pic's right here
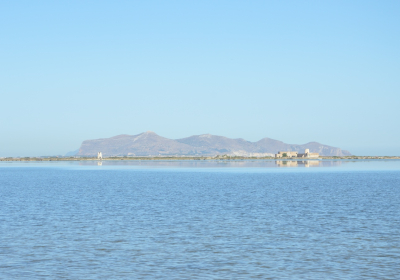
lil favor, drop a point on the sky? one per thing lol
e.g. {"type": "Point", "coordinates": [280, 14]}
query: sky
{"type": "Point", "coordinates": [295, 71]}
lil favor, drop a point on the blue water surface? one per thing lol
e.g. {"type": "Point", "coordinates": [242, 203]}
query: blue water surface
{"type": "Point", "coordinates": [203, 220]}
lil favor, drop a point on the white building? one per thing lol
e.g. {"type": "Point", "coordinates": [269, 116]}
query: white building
{"type": "Point", "coordinates": [306, 154]}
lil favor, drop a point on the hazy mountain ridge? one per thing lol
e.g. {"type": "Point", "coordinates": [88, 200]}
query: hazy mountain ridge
{"type": "Point", "coordinates": [151, 144]}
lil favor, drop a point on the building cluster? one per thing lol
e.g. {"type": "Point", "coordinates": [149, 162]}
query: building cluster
{"type": "Point", "coordinates": [289, 154]}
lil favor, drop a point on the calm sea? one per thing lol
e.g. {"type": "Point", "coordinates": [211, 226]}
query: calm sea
{"type": "Point", "coordinates": [200, 220]}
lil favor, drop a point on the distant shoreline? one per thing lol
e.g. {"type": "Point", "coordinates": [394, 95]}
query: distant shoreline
{"type": "Point", "coordinates": [217, 158]}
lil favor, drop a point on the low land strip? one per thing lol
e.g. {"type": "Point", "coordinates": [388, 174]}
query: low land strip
{"type": "Point", "coordinates": [188, 158]}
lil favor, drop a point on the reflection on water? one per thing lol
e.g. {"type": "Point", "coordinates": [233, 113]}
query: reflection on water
{"type": "Point", "coordinates": [302, 163]}
{"type": "Point", "coordinates": [286, 163]}
{"type": "Point", "coordinates": [215, 163]}
{"type": "Point", "coordinates": [260, 165]}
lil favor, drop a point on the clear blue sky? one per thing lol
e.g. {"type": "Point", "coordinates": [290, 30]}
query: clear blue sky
{"type": "Point", "coordinates": [296, 71]}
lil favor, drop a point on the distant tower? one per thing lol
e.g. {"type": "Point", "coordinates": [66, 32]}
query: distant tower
{"type": "Point", "coordinates": [99, 155]}
{"type": "Point", "coordinates": [307, 151]}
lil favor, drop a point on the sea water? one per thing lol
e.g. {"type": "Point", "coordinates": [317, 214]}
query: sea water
{"type": "Point", "coordinates": [200, 220]}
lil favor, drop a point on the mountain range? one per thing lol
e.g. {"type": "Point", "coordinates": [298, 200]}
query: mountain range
{"type": "Point", "coordinates": [151, 144]}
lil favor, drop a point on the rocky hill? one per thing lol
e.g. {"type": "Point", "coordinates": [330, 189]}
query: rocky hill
{"type": "Point", "coordinates": [151, 144]}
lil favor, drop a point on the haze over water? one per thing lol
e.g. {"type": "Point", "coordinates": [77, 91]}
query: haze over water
{"type": "Point", "coordinates": [200, 219]}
